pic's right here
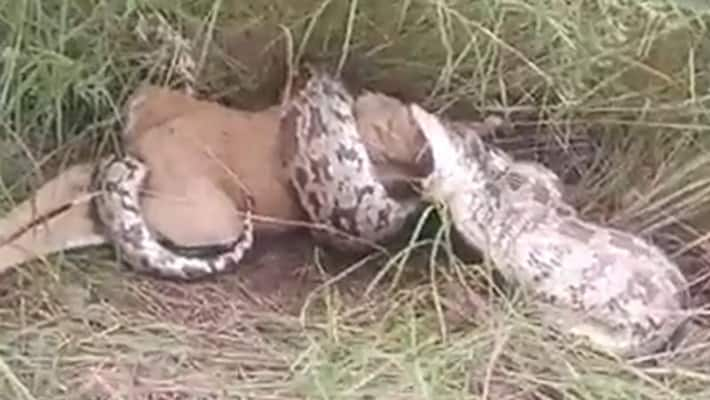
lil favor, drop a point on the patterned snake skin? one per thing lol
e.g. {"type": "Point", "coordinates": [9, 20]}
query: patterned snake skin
{"type": "Point", "coordinates": [118, 180]}
{"type": "Point", "coordinates": [332, 172]}
{"type": "Point", "coordinates": [614, 288]}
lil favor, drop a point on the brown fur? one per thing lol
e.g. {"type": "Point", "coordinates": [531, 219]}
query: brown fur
{"type": "Point", "coordinates": [201, 160]}
{"type": "Point", "coordinates": [202, 156]}
{"type": "Point", "coordinates": [20, 240]}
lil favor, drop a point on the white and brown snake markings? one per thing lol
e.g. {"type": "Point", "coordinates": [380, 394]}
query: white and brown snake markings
{"type": "Point", "coordinates": [332, 172]}
{"type": "Point", "coordinates": [610, 286]}
{"type": "Point", "coordinates": [614, 288]}
{"type": "Point", "coordinates": [119, 180]}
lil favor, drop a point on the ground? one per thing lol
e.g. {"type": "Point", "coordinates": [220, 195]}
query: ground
{"type": "Point", "coordinates": [298, 322]}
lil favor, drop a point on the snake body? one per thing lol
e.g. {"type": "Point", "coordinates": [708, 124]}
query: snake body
{"type": "Point", "coordinates": [612, 287]}
{"type": "Point", "coordinates": [118, 180]}
{"type": "Point", "coordinates": [332, 172]}
{"type": "Point", "coordinates": [617, 290]}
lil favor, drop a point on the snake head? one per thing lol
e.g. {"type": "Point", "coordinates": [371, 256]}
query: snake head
{"type": "Point", "coordinates": [447, 152]}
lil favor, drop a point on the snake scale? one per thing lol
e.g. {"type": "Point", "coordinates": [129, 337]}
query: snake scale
{"type": "Point", "coordinates": [118, 180]}
{"type": "Point", "coordinates": [609, 286]}
{"type": "Point", "coordinates": [333, 173]}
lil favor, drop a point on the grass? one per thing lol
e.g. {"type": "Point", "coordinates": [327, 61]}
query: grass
{"type": "Point", "coordinates": [634, 72]}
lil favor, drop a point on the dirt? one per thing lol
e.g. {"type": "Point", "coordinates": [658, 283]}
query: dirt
{"type": "Point", "coordinates": [280, 273]}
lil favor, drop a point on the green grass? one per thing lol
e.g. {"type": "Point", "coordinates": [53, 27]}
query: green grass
{"type": "Point", "coordinates": [635, 72]}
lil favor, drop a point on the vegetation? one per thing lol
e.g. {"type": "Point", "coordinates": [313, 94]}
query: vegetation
{"type": "Point", "coordinates": [75, 326]}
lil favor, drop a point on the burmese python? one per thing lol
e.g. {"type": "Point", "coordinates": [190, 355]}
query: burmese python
{"type": "Point", "coordinates": [118, 180]}
{"type": "Point", "coordinates": [332, 172]}
{"type": "Point", "coordinates": [612, 287]}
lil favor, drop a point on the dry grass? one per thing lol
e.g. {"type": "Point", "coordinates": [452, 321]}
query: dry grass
{"type": "Point", "coordinates": [76, 327]}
